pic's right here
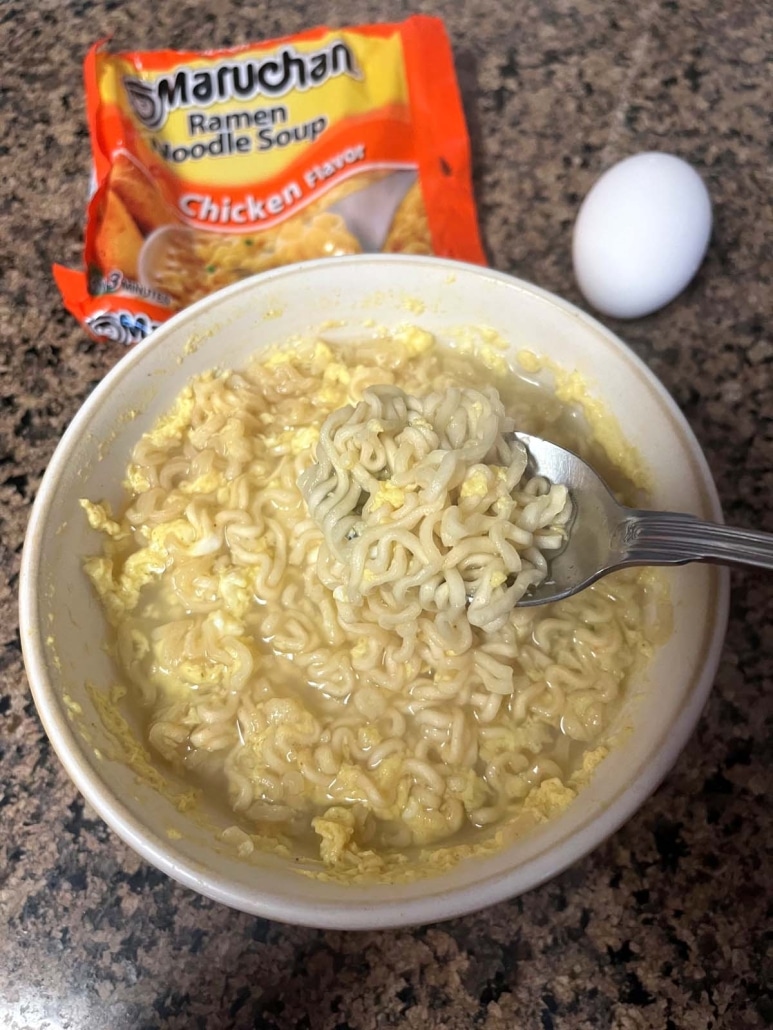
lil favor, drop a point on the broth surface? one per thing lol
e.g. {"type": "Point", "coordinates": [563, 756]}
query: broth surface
{"type": "Point", "coordinates": [359, 744]}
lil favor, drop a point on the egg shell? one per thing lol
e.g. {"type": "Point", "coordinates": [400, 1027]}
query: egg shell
{"type": "Point", "coordinates": [641, 234]}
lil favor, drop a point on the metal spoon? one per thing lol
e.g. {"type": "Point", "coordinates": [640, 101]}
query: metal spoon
{"type": "Point", "coordinates": [604, 535]}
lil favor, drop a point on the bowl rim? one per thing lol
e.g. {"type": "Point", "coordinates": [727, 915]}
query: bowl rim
{"type": "Point", "coordinates": [434, 905]}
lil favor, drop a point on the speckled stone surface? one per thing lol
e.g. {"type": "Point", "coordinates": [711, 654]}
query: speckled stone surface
{"type": "Point", "coordinates": [667, 924]}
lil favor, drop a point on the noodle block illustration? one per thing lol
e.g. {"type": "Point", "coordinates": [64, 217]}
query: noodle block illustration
{"type": "Point", "coordinates": [140, 195]}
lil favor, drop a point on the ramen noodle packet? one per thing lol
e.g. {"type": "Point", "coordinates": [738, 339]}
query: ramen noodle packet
{"type": "Point", "coordinates": [211, 166]}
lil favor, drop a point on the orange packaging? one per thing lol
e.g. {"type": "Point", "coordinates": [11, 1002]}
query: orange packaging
{"type": "Point", "coordinates": [213, 166]}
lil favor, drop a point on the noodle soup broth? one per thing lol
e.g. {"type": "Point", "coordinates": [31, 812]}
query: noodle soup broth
{"type": "Point", "coordinates": [369, 737]}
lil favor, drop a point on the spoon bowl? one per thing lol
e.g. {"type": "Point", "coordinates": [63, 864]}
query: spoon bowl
{"type": "Point", "coordinates": [604, 535]}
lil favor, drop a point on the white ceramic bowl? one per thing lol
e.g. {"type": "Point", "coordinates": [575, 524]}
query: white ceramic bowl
{"type": "Point", "coordinates": [63, 627]}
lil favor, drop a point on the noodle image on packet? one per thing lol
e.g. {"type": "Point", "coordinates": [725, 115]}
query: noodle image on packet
{"type": "Point", "coordinates": [216, 165]}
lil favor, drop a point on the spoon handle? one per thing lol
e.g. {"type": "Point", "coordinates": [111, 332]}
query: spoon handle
{"type": "Point", "coordinates": [669, 538]}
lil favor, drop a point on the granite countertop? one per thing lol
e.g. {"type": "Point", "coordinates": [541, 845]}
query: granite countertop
{"type": "Point", "coordinates": [666, 924]}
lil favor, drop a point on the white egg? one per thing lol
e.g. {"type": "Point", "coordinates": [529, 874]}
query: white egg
{"type": "Point", "coordinates": [641, 234]}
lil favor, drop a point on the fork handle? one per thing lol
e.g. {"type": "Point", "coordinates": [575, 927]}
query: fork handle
{"type": "Point", "coordinates": [670, 538]}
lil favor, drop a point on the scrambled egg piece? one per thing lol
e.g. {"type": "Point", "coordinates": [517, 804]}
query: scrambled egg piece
{"type": "Point", "coordinates": [175, 423]}
{"type": "Point", "coordinates": [335, 383]}
{"type": "Point", "coordinates": [295, 441]}
{"type": "Point", "coordinates": [549, 799]}
{"type": "Point", "coordinates": [415, 340]}
{"type": "Point", "coordinates": [318, 355]}
{"type": "Point", "coordinates": [101, 518]}
{"type": "Point", "coordinates": [472, 790]}
{"type": "Point", "coordinates": [237, 591]}
{"type": "Point", "coordinates": [206, 483]}
{"type": "Point", "coordinates": [428, 826]}
{"type": "Point", "coordinates": [368, 736]}
{"type": "Point", "coordinates": [121, 594]}
{"type": "Point", "coordinates": [360, 649]}
{"type": "Point", "coordinates": [336, 829]}
{"type": "Point", "coordinates": [332, 395]}
{"type": "Point", "coordinates": [528, 360]}
{"type": "Point", "coordinates": [590, 761]}
{"type": "Point", "coordinates": [475, 485]}
{"type": "Point", "coordinates": [136, 479]}
{"type": "Point", "coordinates": [119, 590]}
{"type": "Point", "coordinates": [493, 360]}
{"type": "Point", "coordinates": [336, 372]}
{"type": "Point", "coordinates": [387, 493]}
{"type": "Point", "coordinates": [484, 344]}
{"type": "Point", "coordinates": [414, 305]}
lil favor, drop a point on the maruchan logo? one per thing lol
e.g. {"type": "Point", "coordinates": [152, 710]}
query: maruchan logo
{"type": "Point", "coordinates": [273, 76]}
{"type": "Point", "coordinates": [122, 327]}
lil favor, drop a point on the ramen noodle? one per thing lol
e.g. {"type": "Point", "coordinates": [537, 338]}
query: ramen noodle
{"type": "Point", "coordinates": [312, 588]}
{"type": "Point", "coordinates": [210, 167]}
